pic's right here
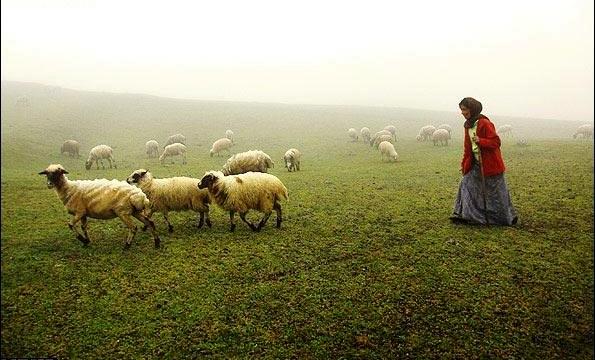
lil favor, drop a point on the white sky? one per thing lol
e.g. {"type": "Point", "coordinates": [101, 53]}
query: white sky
{"type": "Point", "coordinates": [519, 58]}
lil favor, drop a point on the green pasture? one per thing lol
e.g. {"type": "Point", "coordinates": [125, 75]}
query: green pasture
{"type": "Point", "coordinates": [366, 264]}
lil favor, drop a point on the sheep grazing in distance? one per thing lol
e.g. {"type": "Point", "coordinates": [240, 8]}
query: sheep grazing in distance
{"type": "Point", "coordinates": [292, 159]}
{"type": "Point", "coordinates": [505, 130]}
{"type": "Point", "coordinates": [378, 134]}
{"type": "Point", "coordinates": [173, 194]}
{"type": "Point", "coordinates": [100, 199]}
{"type": "Point", "coordinates": [72, 147]}
{"type": "Point", "coordinates": [98, 154]}
{"type": "Point", "coordinates": [382, 138]}
{"type": "Point", "coordinates": [440, 136]}
{"type": "Point", "coordinates": [522, 142]}
{"type": "Point", "coordinates": [425, 133]}
{"type": "Point", "coordinates": [393, 131]}
{"type": "Point", "coordinates": [244, 192]}
{"type": "Point", "coordinates": [177, 138]}
{"type": "Point", "coordinates": [352, 134]}
{"type": "Point", "coordinates": [584, 131]}
{"type": "Point", "coordinates": [445, 127]}
{"type": "Point", "coordinates": [365, 131]}
{"type": "Point", "coordinates": [220, 145]}
{"type": "Point", "coordinates": [152, 148]}
{"type": "Point", "coordinates": [229, 135]}
{"type": "Point", "coordinates": [253, 160]}
{"type": "Point", "coordinates": [387, 149]}
{"type": "Point", "coordinates": [174, 150]}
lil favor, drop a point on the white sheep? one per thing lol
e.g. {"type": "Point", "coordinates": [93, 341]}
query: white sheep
{"type": "Point", "coordinates": [98, 154]}
{"type": "Point", "coordinates": [387, 149]}
{"type": "Point", "coordinates": [253, 160]}
{"type": "Point", "coordinates": [174, 150]}
{"type": "Point", "coordinates": [445, 127]}
{"type": "Point", "coordinates": [100, 199]}
{"type": "Point", "coordinates": [586, 131]}
{"type": "Point", "coordinates": [244, 192]}
{"type": "Point", "coordinates": [425, 133]}
{"type": "Point", "coordinates": [72, 147]}
{"type": "Point", "coordinates": [292, 159]}
{"type": "Point", "coordinates": [382, 138]}
{"type": "Point", "coordinates": [229, 134]}
{"type": "Point", "coordinates": [440, 136]}
{"type": "Point", "coordinates": [392, 129]}
{"type": "Point", "coordinates": [352, 134]}
{"type": "Point", "coordinates": [173, 194]}
{"type": "Point", "coordinates": [378, 134]}
{"type": "Point", "coordinates": [365, 131]}
{"type": "Point", "coordinates": [505, 130]}
{"type": "Point", "coordinates": [176, 138]}
{"type": "Point", "coordinates": [152, 148]}
{"type": "Point", "coordinates": [220, 145]}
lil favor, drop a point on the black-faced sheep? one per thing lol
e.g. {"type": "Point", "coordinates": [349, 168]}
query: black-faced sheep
{"type": "Point", "coordinates": [174, 150]}
{"type": "Point", "coordinates": [220, 145]}
{"type": "Point", "coordinates": [152, 148]}
{"type": "Point", "coordinates": [98, 154]}
{"type": "Point", "coordinates": [100, 199]}
{"type": "Point", "coordinates": [292, 159]}
{"type": "Point", "coordinates": [440, 136]}
{"type": "Point", "coordinates": [72, 147]}
{"type": "Point", "coordinates": [244, 192]}
{"type": "Point", "coordinates": [173, 194]}
{"type": "Point", "coordinates": [253, 160]}
{"type": "Point", "coordinates": [176, 138]}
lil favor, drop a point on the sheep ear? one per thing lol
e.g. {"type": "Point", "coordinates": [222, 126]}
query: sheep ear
{"type": "Point", "coordinates": [64, 172]}
{"type": "Point", "coordinates": [45, 172]}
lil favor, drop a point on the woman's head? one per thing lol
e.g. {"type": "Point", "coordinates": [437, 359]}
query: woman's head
{"type": "Point", "coordinates": [470, 108]}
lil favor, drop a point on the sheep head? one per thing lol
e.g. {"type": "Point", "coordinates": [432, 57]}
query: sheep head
{"type": "Point", "coordinates": [209, 179]}
{"type": "Point", "coordinates": [54, 174]}
{"type": "Point", "coordinates": [137, 176]}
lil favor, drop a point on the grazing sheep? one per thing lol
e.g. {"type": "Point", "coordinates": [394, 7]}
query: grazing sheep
{"type": "Point", "coordinates": [352, 134]}
{"type": "Point", "coordinates": [177, 138]}
{"type": "Point", "coordinates": [229, 135]}
{"type": "Point", "coordinates": [387, 149]}
{"type": "Point", "coordinates": [174, 150]}
{"type": "Point", "coordinates": [522, 142]}
{"type": "Point", "coordinates": [365, 134]}
{"type": "Point", "coordinates": [425, 133]}
{"type": "Point", "coordinates": [244, 192]}
{"type": "Point", "coordinates": [380, 139]}
{"type": "Point", "coordinates": [173, 194]}
{"type": "Point", "coordinates": [97, 154]}
{"type": "Point", "coordinates": [378, 134]}
{"type": "Point", "coordinates": [445, 127]}
{"type": "Point", "coordinates": [392, 130]}
{"type": "Point", "coordinates": [99, 199]}
{"type": "Point", "coordinates": [152, 148]}
{"type": "Point", "coordinates": [292, 159]}
{"type": "Point", "coordinates": [72, 147]}
{"type": "Point", "coordinates": [440, 136]}
{"type": "Point", "coordinates": [505, 130]}
{"type": "Point", "coordinates": [253, 160]}
{"type": "Point", "coordinates": [220, 145]}
{"type": "Point", "coordinates": [586, 131]}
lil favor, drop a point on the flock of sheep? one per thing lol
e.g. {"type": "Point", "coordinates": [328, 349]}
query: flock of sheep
{"type": "Point", "coordinates": [243, 184]}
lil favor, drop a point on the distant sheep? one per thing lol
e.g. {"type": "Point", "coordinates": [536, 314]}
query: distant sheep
{"type": "Point", "coordinates": [505, 130]}
{"type": "Point", "coordinates": [522, 142]}
{"type": "Point", "coordinates": [292, 159]}
{"type": "Point", "coordinates": [365, 134]}
{"type": "Point", "coordinates": [100, 199]}
{"type": "Point", "coordinates": [253, 160]}
{"type": "Point", "coordinates": [220, 145]}
{"type": "Point", "coordinates": [173, 194]}
{"type": "Point", "coordinates": [440, 136]}
{"type": "Point", "coordinates": [177, 138]}
{"type": "Point", "coordinates": [152, 148]}
{"type": "Point", "coordinates": [392, 130]}
{"type": "Point", "coordinates": [229, 135]}
{"type": "Point", "coordinates": [382, 138]}
{"type": "Point", "coordinates": [586, 131]}
{"type": "Point", "coordinates": [244, 192]}
{"type": "Point", "coordinates": [72, 147]}
{"type": "Point", "coordinates": [378, 134]}
{"type": "Point", "coordinates": [387, 150]}
{"type": "Point", "coordinates": [445, 127]}
{"type": "Point", "coordinates": [98, 154]}
{"type": "Point", "coordinates": [425, 133]}
{"type": "Point", "coordinates": [172, 150]}
{"type": "Point", "coordinates": [352, 134]}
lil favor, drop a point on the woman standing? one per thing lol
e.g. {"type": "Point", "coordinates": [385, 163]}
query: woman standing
{"type": "Point", "coordinates": [483, 196]}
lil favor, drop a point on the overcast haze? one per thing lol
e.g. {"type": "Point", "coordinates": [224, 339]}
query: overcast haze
{"type": "Point", "coordinates": [520, 58]}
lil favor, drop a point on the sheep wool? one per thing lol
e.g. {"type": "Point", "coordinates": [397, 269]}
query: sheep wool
{"type": "Point", "coordinates": [380, 139]}
{"type": "Point", "coordinates": [98, 154]}
{"type": "Point", "coordinates": [220, 145]}
{"type": "Point", "coordinates": [365, 132]}
{"type": "Point", "coordinates": [176, 138]}
{"type": "Point", "coordinates": [352, 134]}
{"type": "Point", "coordinates": [440, 136]}
{"type": "Point", "coordinates": [505, 130]}
{"type": "Point", "coordinates": [152, 148]}
{"type": "Point", "coordinates": [100, 199]}
{"type": "Point", "coordinates": [584, 131]}
{"type": "Point", "coordinates": [253, 160]}
{"type": "Point", "coordinates": [229, 134]}
{"type": "Point", "coordinates": [387, 149]}
{"type": "Point", "coordinates": [292, 159]}
{"type": "Point", "coordinates": [378, 134]}
{"type": "Point", "coordinates": [174, 150]}
{"type": "Point", "coordinates": [72, 147]}
{"type": "Point", "coordinates": [425, 133]}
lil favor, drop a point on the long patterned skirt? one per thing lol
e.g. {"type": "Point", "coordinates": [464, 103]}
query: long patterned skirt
{"type": "Point", "coordinates": [469, 204]}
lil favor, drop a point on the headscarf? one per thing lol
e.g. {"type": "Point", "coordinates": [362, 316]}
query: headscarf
{"type": "Point", "coordinates": [474, 107]}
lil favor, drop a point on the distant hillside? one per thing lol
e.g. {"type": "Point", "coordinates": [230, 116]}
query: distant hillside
{"type": "Point", "coordinates": [34, 115]}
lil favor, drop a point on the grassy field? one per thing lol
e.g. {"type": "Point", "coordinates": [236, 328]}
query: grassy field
{"type": "Point", "coordinates": [366, 264]}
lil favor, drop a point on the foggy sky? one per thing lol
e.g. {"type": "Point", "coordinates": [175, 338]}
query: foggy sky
{"type": "Point", "coordinates": [519, 58]}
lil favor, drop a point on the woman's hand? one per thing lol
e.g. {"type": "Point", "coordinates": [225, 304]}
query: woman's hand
{"type": "Point", "coordinates": [475, 139]}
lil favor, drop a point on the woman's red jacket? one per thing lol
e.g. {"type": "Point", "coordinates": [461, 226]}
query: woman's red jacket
{"type": "Point", "coordinates": [489, 145]}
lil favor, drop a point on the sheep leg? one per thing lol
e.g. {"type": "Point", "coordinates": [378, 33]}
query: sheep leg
{"type": "Point", "coordinates": [76, 218]}
{"type": "Point", "coordinates": [170, 227]}
{"type": "Point", "coordinates": [127, 219]}
{"type": "Point", "coordinates": [184, 159]}
{"type": "Point", "coordinates": [149, 214]}
{"type": "Point", "coordinates": [207, 218]}
{"type": "Point", "coordinates": [84, 224]}
{"type": "Point", "coordinates": [148, 222]}
{"type": "Point", "coordinates": [263, 221]}
{"type": "Point", "coordinates": [243, 217]}
{"type": "Point", "coordinates": [277, 208]}
{"type": "Point", "coordinates": [232, 225]}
